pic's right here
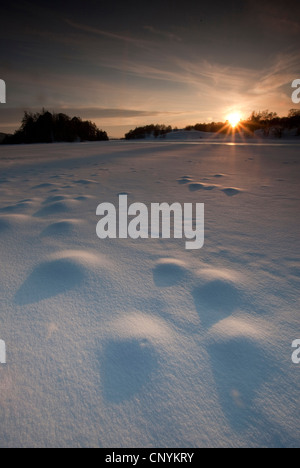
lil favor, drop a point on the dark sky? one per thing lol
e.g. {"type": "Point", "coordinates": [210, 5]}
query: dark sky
{"type": "Point", "coordinates": [129, 63]}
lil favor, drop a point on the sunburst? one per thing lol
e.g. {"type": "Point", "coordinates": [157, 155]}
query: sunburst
{"type": "Point", "coordinates": [234, 119]}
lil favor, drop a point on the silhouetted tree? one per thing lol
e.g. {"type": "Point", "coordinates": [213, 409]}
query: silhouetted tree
{"type": "Point", "coordinates": [45, 127]}
{"type": "Point", "coordinates": [148, 130]}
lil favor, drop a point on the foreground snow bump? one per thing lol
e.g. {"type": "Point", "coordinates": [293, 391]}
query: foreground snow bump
{"type": "Point", "coordinates": [169, 272]}
{"type": "Point", "coordinates": [142, 343]}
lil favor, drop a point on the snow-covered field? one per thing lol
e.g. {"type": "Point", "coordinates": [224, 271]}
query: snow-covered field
{"type": "Point", "coordinates": [123, 343]}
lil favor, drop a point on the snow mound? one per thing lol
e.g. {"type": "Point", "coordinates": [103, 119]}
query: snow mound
{"type": "Point", "coordinates": [19, 207]}
{"type": "Point", "coordinates": [240, 367]}
{"type": "Point", "coordinates": [55, 209]}
{"type": "Point", "coordinates": [54, 199]}
{"type": "Point", "coordinates": [131, 355]}
{"type": "Point", "coordinates": [12, 221]}
{"type": "Point", "coordinates": [185, 180]}
{"type": "Point", "coordinates": [84, 257]}
{"type": "Point", "coordinates": [61, 228]}
{"type": "Point", "coordinates": [50, 279]}
{"type": "Point", "coordinates": [200, 186]}
{"type": "Point", "coordinates": [217, 295]}
{"type": "Point", "coordinates": [169, 272]}
{"type": "Point", "coordinates": [62, 272]}
{"type": "Point", "coordinates": [84, 198]}
{"type": "Point", "coordinates": [142, 326]}
{"type": "Point", "coordinates": [231, 192]}
{"type": "Point", "coordinates": [85, 182]}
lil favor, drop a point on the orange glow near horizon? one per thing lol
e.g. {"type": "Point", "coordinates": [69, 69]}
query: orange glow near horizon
{"type": "Point", "coordinates": [234, 119]}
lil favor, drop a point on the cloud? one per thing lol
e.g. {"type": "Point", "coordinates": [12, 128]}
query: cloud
{"type": "Point", "coordinates": [165, 34]}
{"type": "Point", "coordinates": [282, 71]}
{"type": "Point", "coordinates": [107, 113]}
{"type": "Point", "coordinates": [278, 18]}
{"type": "Point", "coordinates": [12, 116]}
{"type": "Point", "coordinates": [219, 83]}
{"type": "Point", "coordinates": [100, 32]}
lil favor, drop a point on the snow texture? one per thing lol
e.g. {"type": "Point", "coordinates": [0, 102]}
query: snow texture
{"type": "Point", "coordinates": [141, 343]}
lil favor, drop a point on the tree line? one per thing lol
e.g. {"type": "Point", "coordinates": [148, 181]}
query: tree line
{"type": "Point", "coordinates": [148, 130]}
{"type": "Point", "coordinates": [268, 122]}
{"type": "Point", "coordinates": [45, 127]}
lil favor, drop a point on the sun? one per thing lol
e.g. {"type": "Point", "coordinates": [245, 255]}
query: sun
{"type": "Point", "coordinates": [234, 119]}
